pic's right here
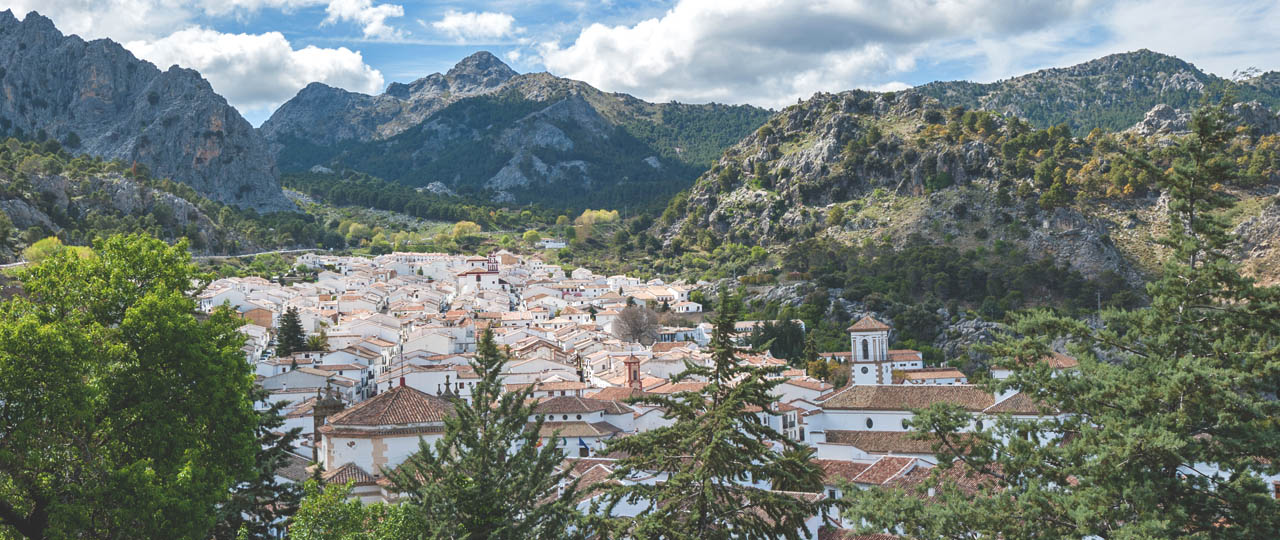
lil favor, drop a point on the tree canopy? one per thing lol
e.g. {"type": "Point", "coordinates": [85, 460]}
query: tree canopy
{"type": "Point", "coordinates": [1169, 424]}
{"type": "Point", "coordinates": [125, 415]}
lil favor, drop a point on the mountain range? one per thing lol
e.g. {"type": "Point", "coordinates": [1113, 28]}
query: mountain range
{"type": "Point", "coordinates": [1110, 93]}
{"type": "Point", "coordinates": [887, 161]}
{"type": "Point", "coordinates": [96, 98]}
{"type": "Point", "coordinates": [481, 129]}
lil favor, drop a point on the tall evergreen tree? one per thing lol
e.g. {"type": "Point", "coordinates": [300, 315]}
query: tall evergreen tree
{"type": "Point", "coordinates": [290, 337]}
{"type": "Point", "coordinates": [259, 501]}
{"type": "Point", "coordinates": [715, 458]}
{"type": "Point", "coordinates": [1166, 427]}
{"type": "Point", "coordinates": [489, 476]}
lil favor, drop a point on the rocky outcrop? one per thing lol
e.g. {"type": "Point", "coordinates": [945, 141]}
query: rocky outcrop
{"type": "Point", "coordinates": [324, 116]}
{"type": "Point", "coordinates": [97, 98]}
{"type": "Point", "coordinates": [1162, 120]}
{"type": "Point", "coordinates": [483, 130]}
{"type": "Point", "coordinates": [1112, 92]}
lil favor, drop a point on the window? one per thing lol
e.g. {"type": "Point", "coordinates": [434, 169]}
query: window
{"type": "Point", "coordinates": [866, 351]}
{"type": "Point", "coordinates": [870, 423]}
{"type": "Point", "coordinates": [904, 424]}
{"type": "Point", "coordinates": [864, 370]}
{"type": "Point", "coordinates": [564, 417]}
{"type": "Point", "coordinates": [978, 425]}
{"type": "Point", "coordinates": [579, 417]}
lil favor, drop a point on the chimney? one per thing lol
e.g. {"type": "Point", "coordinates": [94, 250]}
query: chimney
{"type": "Point", "coordinates": [401, 380]}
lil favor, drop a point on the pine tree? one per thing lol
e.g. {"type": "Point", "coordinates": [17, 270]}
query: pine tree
{"type": "Point", "coordinates": [1167, 425]}
{"type": "Point", "coordinates": [259, 501]}
{"type": "Point", "coordinates": [489, 476]}
{"type": "Point", "coordinates": [714, 457]}
{"type": "Point", "coordinates": [289, 336]}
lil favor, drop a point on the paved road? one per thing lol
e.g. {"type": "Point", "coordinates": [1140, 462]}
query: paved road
{"type": "Point", "coordinates": [255, 254]}
{"type": "Point", "coordinates": [23, 263]}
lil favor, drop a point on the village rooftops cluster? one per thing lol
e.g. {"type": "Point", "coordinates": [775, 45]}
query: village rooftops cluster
{"type": "Point", "coordinates": [401, 330]}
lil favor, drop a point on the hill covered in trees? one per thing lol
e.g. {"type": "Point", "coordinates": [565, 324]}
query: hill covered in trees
{"type": "Point", "coordinates": [485, 132]}
{"type": "Point", "coordinates": [1112, 92]}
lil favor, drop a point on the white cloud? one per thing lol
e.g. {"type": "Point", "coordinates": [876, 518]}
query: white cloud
{"type": "Point", "coordinates": [121, 20]}
{"type": "Point", "coordinates": [371, 17]}
{"type": "Point", "coordinates": [472, 26]}
{"type": "Point", "coordinates": [771, 52]}
{"type": "Point", "coordinates": [256, 71]}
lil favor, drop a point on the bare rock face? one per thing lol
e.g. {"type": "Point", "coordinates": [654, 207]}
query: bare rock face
{"type": "Point", "coordinates": [1162, 120]}
{"type": "Point", "coordinates": [97, 98]}
{"type": "Point", "coordinates": [322, 115]}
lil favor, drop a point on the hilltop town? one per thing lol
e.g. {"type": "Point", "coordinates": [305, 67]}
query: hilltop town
{"type": "Point", "coordinates": [400, 330]}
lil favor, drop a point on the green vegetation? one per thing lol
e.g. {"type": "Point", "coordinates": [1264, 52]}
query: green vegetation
{"type": "Point", "coordinates": [463, 146]}
{"type": "Point", "coordinates": [327, 514]}
{"type": "Point", "coordinates": [1084, 97]}
{"type": "Point", "coordinates": [716, 442]}
{"type": "Point", "coordinates": [489, 476]}
{"type": "Point", "coordinates": [125, 415]}
{"type": "Point", "coordinates": [79, 195]}
{"type": "Point", "coordinates": [1172, 411]}
{"type": "Point", "coordinates": [290, 337]}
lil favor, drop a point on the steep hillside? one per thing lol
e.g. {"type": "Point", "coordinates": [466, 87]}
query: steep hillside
{"type": "Point", "coordinates": [865, 170]}
{"type": "Point", "coordinates": [483, 131]}
{"type": "Point", "coordinates": [1111, 92]}
{"type": "Point", "coordinates": [98, 99]}
{"type": "Point", "coordinates": [45, 191]}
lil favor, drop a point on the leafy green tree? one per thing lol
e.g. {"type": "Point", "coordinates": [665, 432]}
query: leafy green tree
{"type": "Point", "coordinates": [317, 342]}
{"type": "Point", "coordinates": [531, 237]}
{"type": "Point", "coordinates": [260, 500]}
{"type": "Point", "coordinates": [43, 249]}
{"type": "Point", "coordinates": [124, 415]}
{"type": "Point", "coordinates": [290, 337]}
{"type": "Point", "coordinates": [1169, 422]}
{"type": "Point", "coordinates": [489, 476]}
{"type": "Point", "coordinates": [716, 446]}
{"type": "Point", "coordinates": [328, 513]}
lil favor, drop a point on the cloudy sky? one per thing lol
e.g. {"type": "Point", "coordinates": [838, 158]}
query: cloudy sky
{"type": "Point", "coordinates": [259, 53]}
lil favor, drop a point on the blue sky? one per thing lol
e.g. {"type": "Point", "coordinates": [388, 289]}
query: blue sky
{"type": "Point", "coordinates": [259, 53]}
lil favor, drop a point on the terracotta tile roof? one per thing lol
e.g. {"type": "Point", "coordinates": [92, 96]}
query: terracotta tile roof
{"type": "Point", "coordinates": [1019, 403]}
{"type": "Point", "coordinates": [399, 405]}
{"type": "Point", "coordinates": [901, 398]}
{"type": "Point", "coordinates": [881, 442]}
{"type": "Point", "coordinates": [667, 346]}
{"type": "Point", "coordinates": [578, 429]}
{"type": "Point", "coordinates": [832, 533]}
{"type": "Point", "coordinates": [811, 384]}
{"type": "Point", "coordinates": [868, 324]}
{"type": "Point", "coordinates": [617, 393]}
{"type": "Point", "coordinates": [295, 468]}
{"type": "Point", "coordinates": [966, 479]}
{"type": "Point", "coordinates": [671, 388]}
{"type": "Point", "coordinates": [302, 409]}
{"type": "Point", "coordinates": [885, 469]}
{"type": "Point", "coordinates": [348, 472]}
{"type": "Point", "coordinates": [929, 374]}
{"type": "Point", "coordinates": [839, 469]}
{"type": "Point", "coordinates": [577, 405]}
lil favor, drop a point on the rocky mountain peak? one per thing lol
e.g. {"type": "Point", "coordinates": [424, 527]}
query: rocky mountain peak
{"type": "Point", "coordinates": [480, 69]}
{"type": "Point", "coordinates": [99, 99]}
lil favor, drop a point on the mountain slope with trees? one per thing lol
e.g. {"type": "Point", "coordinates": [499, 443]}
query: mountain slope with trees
{"type": "Point", "coordinates": [96, 98]}
{"type": "Point", "coordinates": [485, 132]}
{"type": "Point", "coordinates": [1112, 92]}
